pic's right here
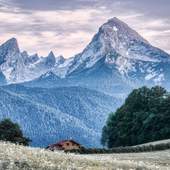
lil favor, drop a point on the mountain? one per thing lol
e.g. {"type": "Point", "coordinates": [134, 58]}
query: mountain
{"type": "Point", "coordinates": [9, 48]}
{"type": "Point", "coordinates": [48, 115]}
{"type": "Point", "coordinates": [123, 52]}
{"type": "Point", "coordinates": [119, 45]}
{"type": "Point", "coordinates": [47, 80]}
{"type": "Point", "coordinates": [117, 57]}
{"type": "Point", "coordinates": [50, 60]}
{"type": "Point", "coordinates": [116, 61]}
{"type": "Point", "coordinates": [19, 67]}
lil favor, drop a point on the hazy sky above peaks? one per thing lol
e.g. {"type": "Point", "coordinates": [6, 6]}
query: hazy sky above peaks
{"type": "Point", "coordinates": [67, 26]}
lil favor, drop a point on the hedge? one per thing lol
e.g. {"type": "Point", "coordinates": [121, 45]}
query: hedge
{"type": "Point", "coordinates": [130, 149]}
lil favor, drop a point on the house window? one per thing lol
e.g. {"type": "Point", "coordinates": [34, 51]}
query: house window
{"type": "Point", "coordinates": [67, 144]}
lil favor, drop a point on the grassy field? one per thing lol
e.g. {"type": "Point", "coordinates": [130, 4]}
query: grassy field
{"type": "Point", "coordinates": [14, 157]}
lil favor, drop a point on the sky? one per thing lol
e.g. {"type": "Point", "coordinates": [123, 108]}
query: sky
{"type": "Point", "coordinates": [67, 26]}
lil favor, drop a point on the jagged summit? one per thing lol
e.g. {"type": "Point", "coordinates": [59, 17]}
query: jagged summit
{"type": "Point", "coordinates": [116, 22]}
{"type": "Point", "coordinates": [50, 59]}
{"type": "Point", "coordinates": [35, 55]}
{"type": "Point", "coordinates": [122, 50]}
{"type": "Point", "coordinates": [116, 29]}
{"type": "Point", "coordinates": [11, 44]}
{"type": "Point", "coordinates": [11, 41]}
{"type": "Point", "coordinates": [48, 75]}
{"type": "Point", "coordinates": [60, 59]}
{"type": "Point", "coordinates": [24, 53]}
{"type": "Point", "coordinates": [115, 19]}
{"type": "Point", "coordinates": [114, 40]}
{"type": "Point", "coordinates": [8, 49]}
{"type": "Point", "coordinates": [51, 54]}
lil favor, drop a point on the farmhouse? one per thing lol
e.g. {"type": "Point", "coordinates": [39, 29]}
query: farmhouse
{"type": "Point", "coordinates": [64, 145]}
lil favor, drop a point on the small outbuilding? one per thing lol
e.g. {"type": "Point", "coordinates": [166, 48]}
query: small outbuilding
{"type": "Point", "coordinates": [64, 145]}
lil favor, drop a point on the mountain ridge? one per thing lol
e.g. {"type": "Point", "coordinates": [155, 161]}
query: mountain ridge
{"type": "Point", "coordinates": [122, 47]}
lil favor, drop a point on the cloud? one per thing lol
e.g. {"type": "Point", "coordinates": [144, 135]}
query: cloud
{"type": "Point", "coordinates": [66, 27]}
{"type": "Point", "coordinates": [66, 32]}
{"type": "Point", "coordinates": [49, 5]}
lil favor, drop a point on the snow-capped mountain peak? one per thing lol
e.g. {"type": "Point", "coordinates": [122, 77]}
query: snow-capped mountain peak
{"type": "Point", "coordinates": [20, 66]}
{"type": "Point", "coordinates": [49, 74]}
{"type": "Point", "coordinates": [120, 30]}
{"type": "Point", "coordinates": [33, 58]}
{"type": "Point", "coordinates": [50, 59]}
{"type": "Point", "coordinates": [114, 38]}
{"type": "Point", "coordinates": [24, 53]}
{"type": "Point", "coordinates": [51, 55]}
{"type": "Point", "coordinates": [8, 49]}
{"type": "Point", "coordinates": [121, 49]}
{"type": "Point", "coordinates": [60, 58]}
{"type": "Point", "coordinates": [11, 44]}
{"type": "Point", "coordinates": [117, 36]}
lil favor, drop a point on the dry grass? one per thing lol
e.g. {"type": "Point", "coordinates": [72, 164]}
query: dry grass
{"type": "Point", "coordinates": [14, 157]}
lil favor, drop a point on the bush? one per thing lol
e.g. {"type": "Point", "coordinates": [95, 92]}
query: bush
{"type": "Point", "coordinates": [11, 132]}
{"type": "Point", "coordinates": [129, 149]}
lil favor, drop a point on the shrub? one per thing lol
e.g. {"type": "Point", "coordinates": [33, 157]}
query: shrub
{"type": "Point", "coordinates": [10, 131]}
{"type": "Point", "coordinates": [129, 149]}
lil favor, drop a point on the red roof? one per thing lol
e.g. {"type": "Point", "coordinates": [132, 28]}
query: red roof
{"type": "Point", "coordinates": [64, 141]}
{"type": "Point", "coordinates": [61, 143]}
